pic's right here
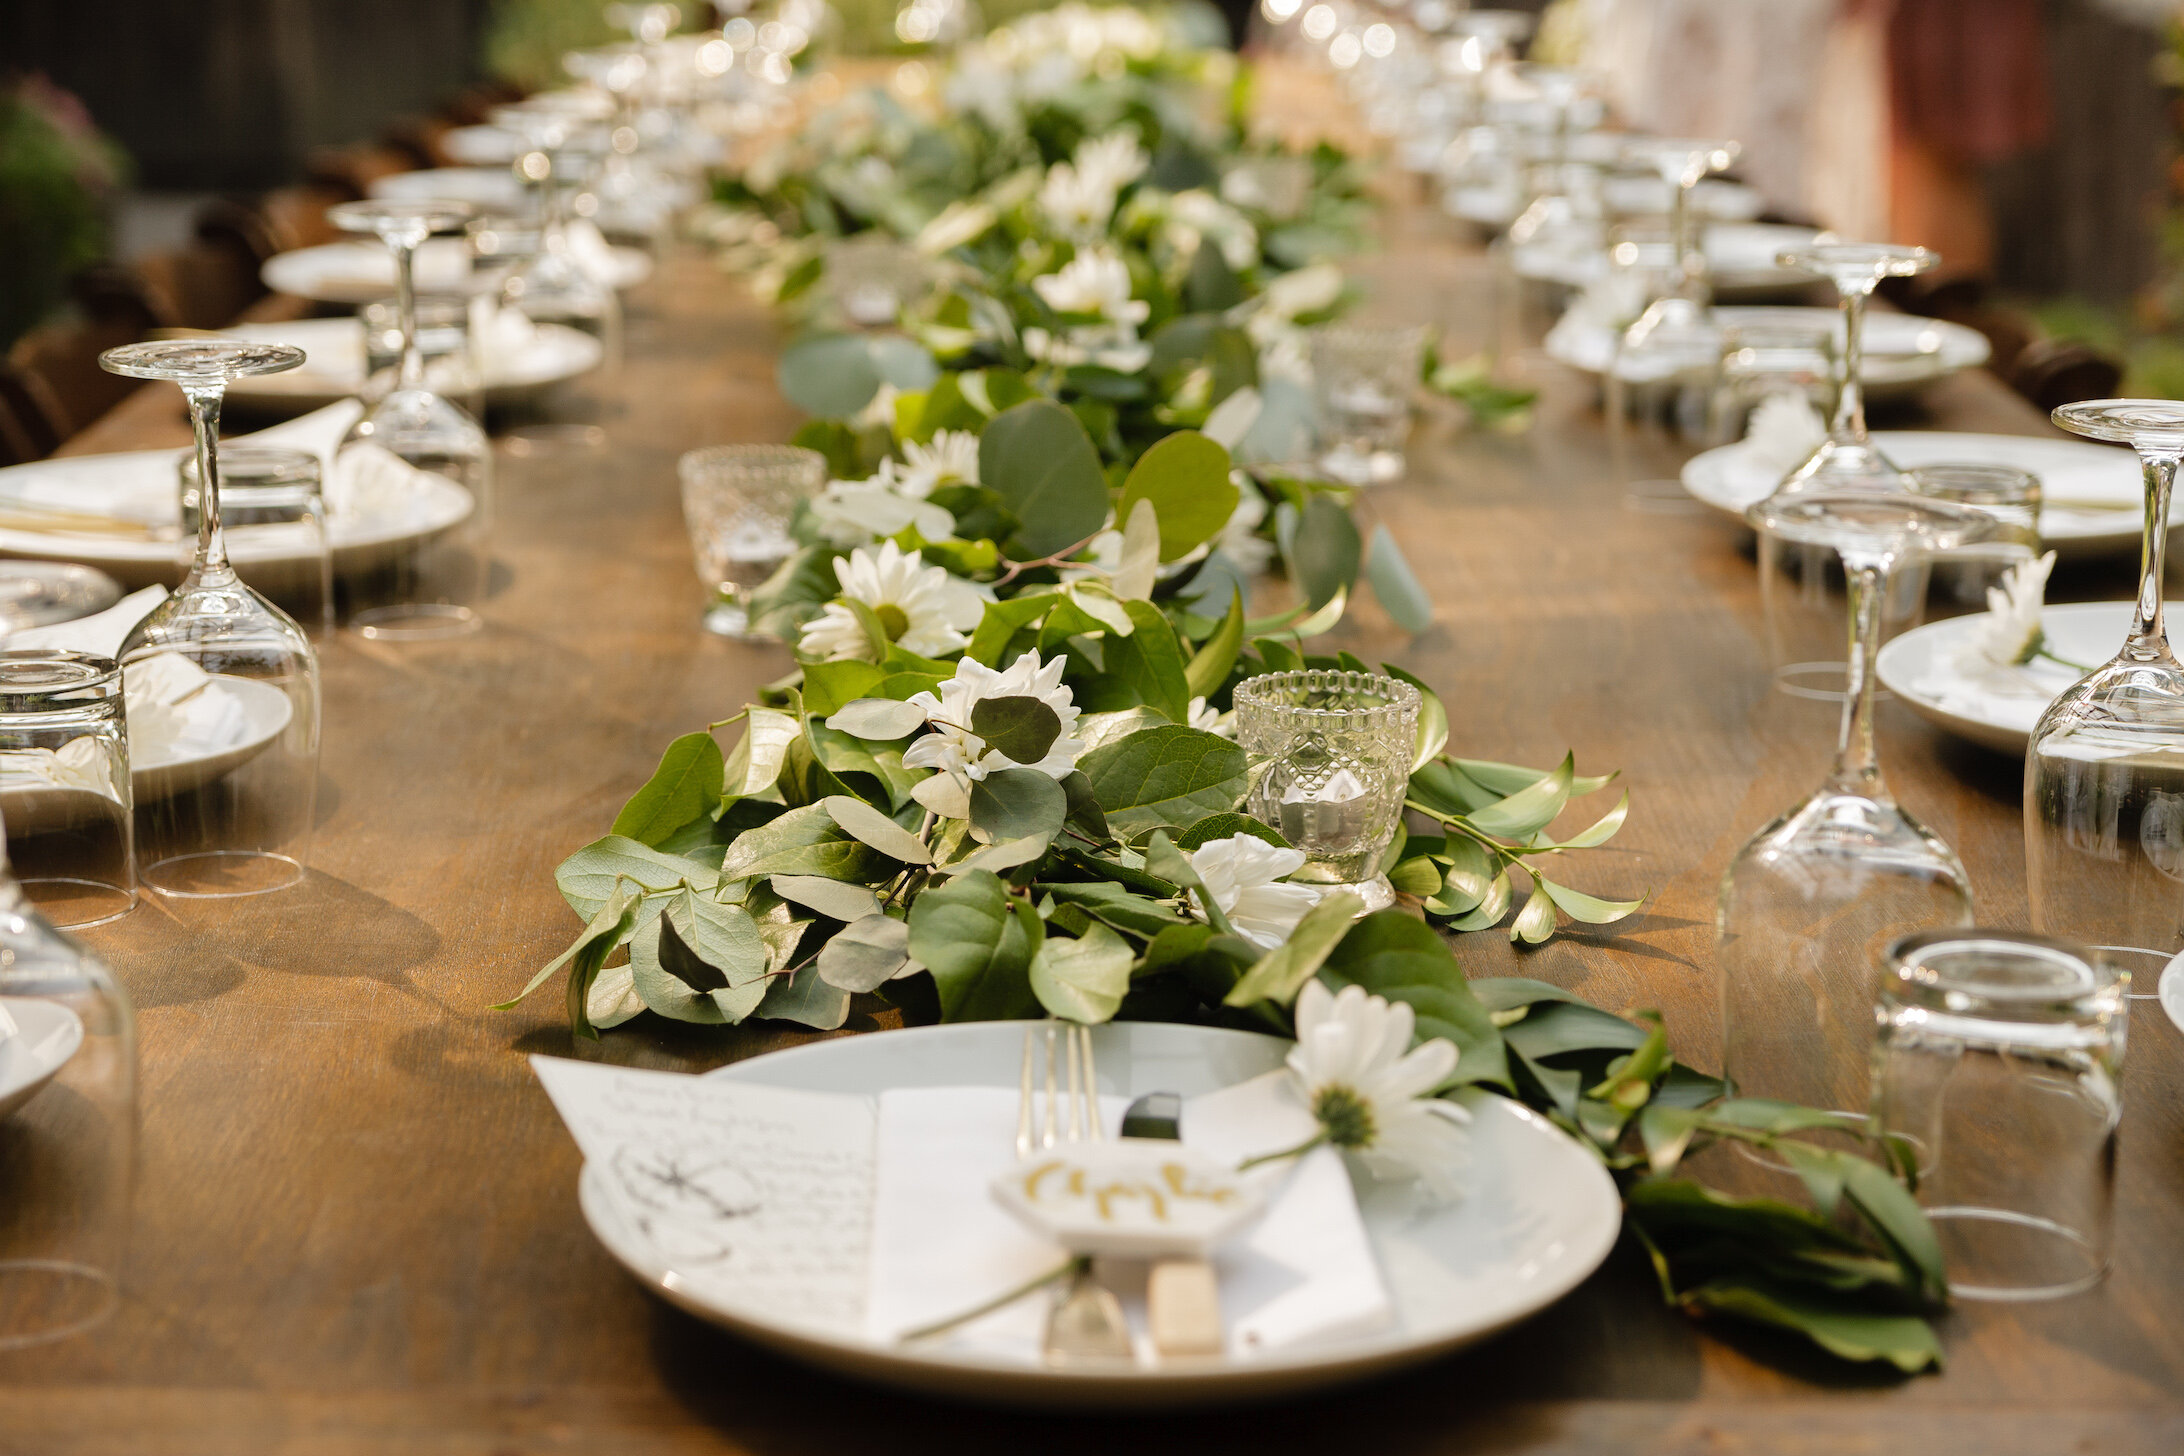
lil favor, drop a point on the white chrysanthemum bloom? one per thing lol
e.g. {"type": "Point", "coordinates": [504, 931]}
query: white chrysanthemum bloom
{"type": "Point", "coordinates": [951, 458]}
{"type": "Point", "coordinates": [958, 223]}
{"type": "Point", "coordinates": [1371, 1089]}
{"type": "Point", "coordinates": [1243, 874]}
{"type": "Point", "coordinates": [1074, 203]}
{"type": "Point", "coordinates": [1095, 283]}
{"type": "Point", "coordinates": [1197, 216]}
{"type": "Point", "coordinates": [1114, 160]}
{"type": "Point", "coordinates": [2010, 634]}
{"type": "Point", "coordinates": [920, 607]}
{"type": "Point", "coordinates": [961, 756]}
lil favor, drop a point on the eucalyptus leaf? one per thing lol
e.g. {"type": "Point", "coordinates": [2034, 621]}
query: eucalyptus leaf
{"type": "Point", "coordinates": [877, 718]}
{"type": "Point", "coordinates": [1209, 666]}
{"type": "Point", "coordinates": [1150, 663]}
{"type": "Point", "coordinates": [589, 878]}
{"type": "Point", "coordinates": [1529, 809]}
{"type": "Point", "coordinates": [1228, 826]}
{"type": "Point", "coordinates": [1017, 727]}
{"type": "Point", "coordinates": [806, 999]}
{"type": "Point", "coordinates": [1038, 459]}
{"type": "Point", "coordinates": [832, 376]}
{"type": "Point", "coordinates": [1589, 908]}
{"type": "Point", "coordinates": [1396, 585]}
{"type": "Point", "coordinates": [804, 841]}
{"type": "Point", "coordinates": [1002, 854]}
{"type": "Point", "coordinates": [1185, 476]}
{"type": "Point", "coordinates": [834, 899]}
{"type": "Point", "coordinates": [1169, 776]}
{"type": "Point", "coordinates": [1018, 803]}
{"type": "Point", "coordinates": [1326, 551]}
{"type": "Point", "coordinates": [1281, 973]}
{"type": "Point", "coordinates": [869, 826]}
{"type": "Point", "coordinates": [686, 785]}
{"type": "Point", "coordinates": [866, 954]}
{"type": "Point", "coordinates": [1082, 980]}
{"type": "Point", "coordinates": [965, 933]}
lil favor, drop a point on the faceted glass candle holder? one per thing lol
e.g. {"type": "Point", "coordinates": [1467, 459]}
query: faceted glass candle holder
{"type": "Point", "coordinates": [1330, 758]}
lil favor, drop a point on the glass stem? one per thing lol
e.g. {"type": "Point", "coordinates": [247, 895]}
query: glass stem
{"type": "Point", "coordinates": [1679, 232]}
{"type": "Point", "coordinates": [2149, 640]}
{"type": "Point", "coordinates": [212, 562]}
{"type": "Point", "coordinates": [1857, 759]}
{"type": "Point", "coordinates": [1849, 427]}
{"type": "Point", "coordinates": [412, 373]}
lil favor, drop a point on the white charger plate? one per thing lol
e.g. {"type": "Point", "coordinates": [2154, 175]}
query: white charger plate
{"type": "Point", "coordinates": [333, 366]}
{"type": "Point", "coordinates": [161, 773]}
{"type": "Point", "coordinates": [360, 272]}
{"type": "Point", "coordinates": [2090, 495]}
{"type": "Point", "coordinates": [495, 189]}
{"type": "Point", "coordinates": [1932, 669]}
{"type": "Point", "coordinates": [47, 1035]}
{"type": "Point", "coordinates": [1903, 352]}
{"type": "Point", "coordinates": [1739, 255]}
{"type": "Point", "coordinates": [1540, 1216]}
{"type": "Point", "coordinates": [139, 486]}
{"type": "Point", "coordinates": [2171, 991]}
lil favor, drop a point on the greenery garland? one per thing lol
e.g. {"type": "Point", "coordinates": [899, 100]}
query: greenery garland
{"type": "Point", "coordinates": [1000, 782]}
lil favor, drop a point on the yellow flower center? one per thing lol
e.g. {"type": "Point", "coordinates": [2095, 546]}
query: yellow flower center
{"type": "Point", "coordinates": [1347, 1117]}
{"type": "Point", "coordinates": [894, 621]}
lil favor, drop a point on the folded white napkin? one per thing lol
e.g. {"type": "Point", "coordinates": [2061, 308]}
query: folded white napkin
{"type": "Point", "coordinates": [941, 1244]}
{"type": "Point", "coordinates": [101, 633]}
{"type": "Point", "coordinates": [8, 1028]}
{"type": "Point", "coordinates": [1783, 431]}
{"type": "Point", "coordinates": [175, 707]}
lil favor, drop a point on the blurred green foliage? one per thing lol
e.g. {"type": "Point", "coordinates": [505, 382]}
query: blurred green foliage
{"type": "Point", "coordinates": [58, 175]}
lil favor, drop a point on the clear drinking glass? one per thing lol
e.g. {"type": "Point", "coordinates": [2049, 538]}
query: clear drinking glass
{"type": "Point", "coordinates": [738, 501]}
{"type": "Point", "coordinates": [273, 515]}
{"type": "Point", "coordinates": [1849, 460]}
{"type": "Point", "coordinates": [1363, 378]}
{"type": "Point", "coordinates": [1997, 1074]}
{"type": "Point", "coordinates": [425, 588]}
{"type": "Point", "coordinates": [2010, 495]}
{"type": "Point", "coordinates": [68, 1125]}
{"type": "Point", "coordinates": [1330, 757]}
{"type": "Point", "coordinates": [230, 678]}
{"type": "Point", "coordinates": [2104, 772]}
{"type": "Point", "coordinates": [556, 282]}
{"type": "Point", "coordinates": [1676, 334]}
{"type": "Point", "coordinates": [64, 783]}
{"type": "Point", "coordinates": [1810, 900]}
{"type": "Point", "coordinates": [453, 362]}
{"type": "Point", "coordinates": [43, 593]}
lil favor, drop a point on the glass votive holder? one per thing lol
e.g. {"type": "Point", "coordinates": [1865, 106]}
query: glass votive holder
{"type": "Point", "coordinates": [68, 1120]}
{"type": "Point", "coordinates": [1363, 378]}
{"type": "Point", "coordinates": [1996, 1074]}
{"type": "Point", "coordinates": [738, 501]}
{"type": "Point", "coordinates": [64, 783]}
{"type": "Point", "coordinates": [1330, 758]}
{"type": "Point", "coordinates": [273, 517]}
{"type": "Point", "coordinates": [453, 368]}
{"type": "Point", "coordinates": [2010, 495]}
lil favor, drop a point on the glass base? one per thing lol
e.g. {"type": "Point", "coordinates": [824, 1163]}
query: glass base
{"type": "Point", "coordinates": [72, 903]}
{"type": "Point", "coordinates": [2002, 1255]}
{"type": "Point", "coordinates": [1353, 465]}
{"type": "Point", "coordinates": [726, 619]}
{"type": "Point", "coordinates": [1846, 465]}
{"type": "Point", "coordinates": [1376, 892]}
{"type": "Point", "coordinates": [222, 874]}
{"type": "Point", "coordinates": [416, 622]}
{"type": "Point", "coordinates": [42, 1300]}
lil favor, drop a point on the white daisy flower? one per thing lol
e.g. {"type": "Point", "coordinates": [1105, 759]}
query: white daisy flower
{"type": "Point", "coordinates": [1370, 1088]}
{"type": "Point", "coordinates": [958, 223]}
{"type": "Point", "coordinates": [854, 512]}
{"type": "Point", "coordinates": [1197, 216]}
{"type": "Point", "coordinates": [1206, 718]}
{"type": "Point", "coordinates": [1243, 874]}
{"type": "Point", "coordinates": [1096, 283]}
{"type": "Point", "coordinates": [1074, 203]}
{"type": "Point", "coordinates": [1113, 161]}
{"type": "Point", "coordinates": [1111, 346]}
{"type": "Point", "coordinates": [2010, 634]}
{"type": "Point", "coordinates": [961, 756]}
{"type": "Point", "coordinates": [950, 459]}
{"type": "Point", "coordinates": [921, 607]}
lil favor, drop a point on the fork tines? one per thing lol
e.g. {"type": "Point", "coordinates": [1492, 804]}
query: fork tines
{"type": "Point", "coordinates": [1040, 1124]}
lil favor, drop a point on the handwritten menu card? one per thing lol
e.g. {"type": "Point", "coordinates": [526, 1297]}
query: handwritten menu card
{"type": "Point", "coordinates": [761, 1195]}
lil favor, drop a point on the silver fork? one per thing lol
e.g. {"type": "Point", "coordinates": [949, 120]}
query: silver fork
{"type": "Point", "coordinates": [1085, 1325]}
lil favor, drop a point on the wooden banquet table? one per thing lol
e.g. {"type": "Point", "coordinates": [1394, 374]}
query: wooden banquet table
{"type": "Point", "coordinates": [357, 1225]}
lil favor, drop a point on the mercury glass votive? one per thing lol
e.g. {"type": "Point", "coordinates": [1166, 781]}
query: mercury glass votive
{"type": "Point", "coordinates": [1330, 756]}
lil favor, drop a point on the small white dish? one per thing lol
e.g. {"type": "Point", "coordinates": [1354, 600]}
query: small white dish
{"type": "Point", "coordinates": [355, 273]}
{"type": "Point", "coordinates": [2090, 494]}
{"type": "Point", "coordinates": [47, 1035]}
{"type": "Point", "coordinates": [1935, 671]}
{"type": "Point", "coordinates": [333, 367]}
{"type": "Point", "coordinates": [1540, 1216]}
{"type": "Point", "coordinates": [1903, 352]}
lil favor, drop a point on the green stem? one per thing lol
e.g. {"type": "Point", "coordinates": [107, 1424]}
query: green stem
{"type": "Point", "coordinates": [1298, 1151]}
{"type": "Point", "coordinates": [1075, 1265]}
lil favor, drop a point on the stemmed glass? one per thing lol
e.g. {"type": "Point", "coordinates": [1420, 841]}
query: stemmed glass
{"type": "Point", "coordinates": [1848, 459]}
{"type": "Point", "coordinates": [1675, 337]}
{"type": "Point", "coordinates": [1811, 900]}
{"type": "Point", "coordinates": [2104, 772]}
{"type": "Point", "coordinates": [435, 582]}
{"type": "Point", "coordinates": [558, 283]}
{"type": "Point", "coordinates": [235, 672]}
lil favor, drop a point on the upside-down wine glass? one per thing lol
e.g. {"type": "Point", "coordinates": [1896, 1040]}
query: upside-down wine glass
{"type": "Point", "coordinates": [2104, 772]}
{"type": "Point", "coordinates": [1675, 339]}
{"type": "Point", "coordinates": [428, 591]}
{"type": "Point", "coordinates": [1810, 901]}
{"type": "Point", "coordinates": [562, 283]}
{"type": "Point", "coordinates": [234, 673]}
{"type": "Point", "coordinates": [1848, 458]}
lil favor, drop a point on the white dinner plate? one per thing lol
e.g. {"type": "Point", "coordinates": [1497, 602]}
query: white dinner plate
{"type": "Point", "coordinates": [1540, 1215]}
{"type": "Point", "coordinates": [47, 1035]}
{"type": "Point", "coordinates": [482, 145]}
{"type": "Point", "coordinates": [1739, 255]}
{"type": "Point", "coordinates": [2171, 991]}
{"type": "Point", "coordinates": [138, 486]}
{"type": "Point", "coordinates": [1719, 201]}
{"type": "Point", "coordinates": [333, 366]}
{"type": "Point", "coordinates": [1903, 352]}
{"type": "Point", "coordinates": [1934, 670]}
{"type": "Point", "coordinates": [360, 272]}
{"type": "Point", "coordinates": [159, 772]}
{"type": "Point", "coordinates": [493, 189]}
{"type": "Point", "coordinates": [2090, 494]}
